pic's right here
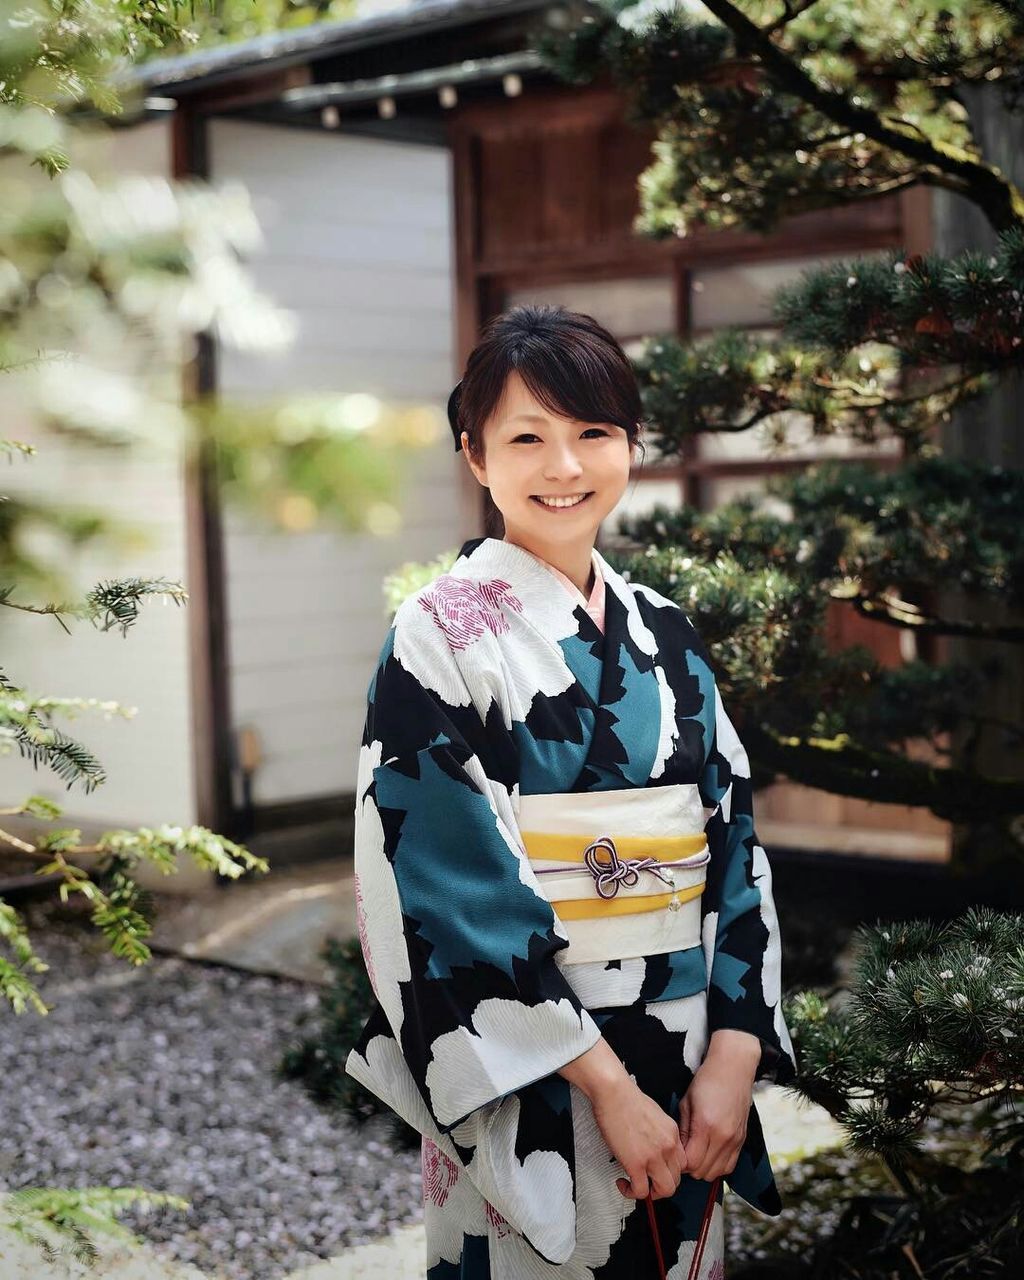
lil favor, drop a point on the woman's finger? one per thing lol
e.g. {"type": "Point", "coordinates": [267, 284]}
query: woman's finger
{"type": "Point", "coordinates": [637, 1185]}
{"type": "Point", "coordinates": [720, 1161]}
{"type": "Point", "coordinates": [684, 1118]}
{"type": "Point", "coordinates": [664, 1184]}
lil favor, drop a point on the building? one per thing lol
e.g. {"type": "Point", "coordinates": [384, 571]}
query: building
{"type": "Point", "coordinates": [416, 171]}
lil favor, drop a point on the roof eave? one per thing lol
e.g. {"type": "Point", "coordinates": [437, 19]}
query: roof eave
{"type": "Point", "coordinates": [190, 73]}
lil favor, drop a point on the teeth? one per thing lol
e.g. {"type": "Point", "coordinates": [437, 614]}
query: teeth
{"type": "Point", "coordinates": [563, 502]}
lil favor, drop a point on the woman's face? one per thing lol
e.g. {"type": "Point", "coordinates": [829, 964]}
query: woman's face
{"type": "Point", "coordinates": [531, 454]}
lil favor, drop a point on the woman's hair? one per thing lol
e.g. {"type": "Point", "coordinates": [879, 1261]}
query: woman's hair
{"type": "Point", "coordinates": [572, 364]}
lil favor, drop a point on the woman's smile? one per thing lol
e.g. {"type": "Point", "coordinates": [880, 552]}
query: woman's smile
{"type": "Point", "coordinates": [561, 504]}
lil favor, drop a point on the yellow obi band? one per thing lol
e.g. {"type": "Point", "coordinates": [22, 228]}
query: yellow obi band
{"type": "Point", "coordinates": [623, 870]}
{"type": "Point", "coordinates": [570, 909]}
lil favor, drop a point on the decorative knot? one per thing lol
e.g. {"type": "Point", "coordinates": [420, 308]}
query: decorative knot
{"type": "Point", "coordinates": [609, 875]}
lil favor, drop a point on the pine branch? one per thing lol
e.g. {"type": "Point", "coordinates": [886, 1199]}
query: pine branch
{"type": "Point", "coordinates": [842, 767]}
{"type": "Point", "coordinates": [15, 448]}
{"type": "Point", "coordinates": [732, 382]}
{"type": "Point", "coordinates": [25, 724]}
{"type": "Point", "coordinates": [69, 759]}
{"type": "Point", "coordinates": [892, 611]}
{"type": "Point", "coordinates": [15, 985]}
{"type": "Point", "coordinates": [1000, 200]}
{"type": "Point", "coordinates": [966, 311]}
{"type": "Point", "coordinates": [790, 12]}
{"type": "Point", "coordinates": [932, 1017]}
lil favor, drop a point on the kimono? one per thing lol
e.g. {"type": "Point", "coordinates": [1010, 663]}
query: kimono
{"type": "Point", "coordinates": [495, 684]}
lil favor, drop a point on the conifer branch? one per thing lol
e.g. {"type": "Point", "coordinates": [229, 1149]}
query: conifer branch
{"type": "Point", "coordinates": [842, 767]}
{"type": "Point", "coordinates": [116, 907]}
{"type": "Point", "coordinates": [790, 12]}
{"type": "Point", "coordinates": [35, 1214]}
{"type": "Point", "coordinates": [952, 166]}
{"type": "Point", "coordinates": [107, 605]}
{"type": "Point", "coordinates": [894, 612]}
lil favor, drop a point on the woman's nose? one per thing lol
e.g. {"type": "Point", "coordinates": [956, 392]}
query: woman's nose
{"type": "Point", "coordinates": [562, 463]}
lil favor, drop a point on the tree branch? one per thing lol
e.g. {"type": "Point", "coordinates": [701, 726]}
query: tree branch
{"type": "Point", "coordinates": [841, 767]}
{"type": "Point", "coordinates": [1001, 201]}
{"type": "Point", "coordinates": [790, 12]}
{"type": "Point", "coordinates": [899, 613]}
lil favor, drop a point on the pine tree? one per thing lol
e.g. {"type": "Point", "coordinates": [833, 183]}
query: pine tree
{"type": "Point", "coordinates": [766, 108]}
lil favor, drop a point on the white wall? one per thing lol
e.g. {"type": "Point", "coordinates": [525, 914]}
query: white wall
{"type": "Point", "coordinates": [148, 759]}
{"type": "Point", "coordinates": [358, 246]}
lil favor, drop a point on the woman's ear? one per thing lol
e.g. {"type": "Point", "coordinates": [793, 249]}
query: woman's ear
{"type": "Point", "coordinates": [477, 468]}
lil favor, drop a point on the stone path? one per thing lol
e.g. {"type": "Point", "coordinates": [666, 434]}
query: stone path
{"type": "Point", "coordinates": [792, 1127]}
{"type": "Point", "coordinates": [276, 925]}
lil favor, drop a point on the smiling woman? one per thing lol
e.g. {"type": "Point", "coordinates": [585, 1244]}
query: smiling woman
{"type": "Point", "coordinates": [564, 908]}
{"type": "Point", "coordinates": [549, 416]}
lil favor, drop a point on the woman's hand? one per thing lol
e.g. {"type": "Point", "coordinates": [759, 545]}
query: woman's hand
{"type": "Point", "coordinates": [642, 1137]}
{"type": "Point", "coordinates": [714, 1110]}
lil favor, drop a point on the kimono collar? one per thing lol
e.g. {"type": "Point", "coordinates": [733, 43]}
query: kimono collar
{"type": "Point", "coordinates": [502, 569]}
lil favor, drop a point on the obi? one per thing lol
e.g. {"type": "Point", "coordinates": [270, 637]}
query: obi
{"type": "Point", "coordinates": [623, 870]}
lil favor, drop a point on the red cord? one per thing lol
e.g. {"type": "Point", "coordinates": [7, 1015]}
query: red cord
{"type": "Point", "coordinates": [654, 1236]}
{"type": "Point", "coordinates": [702, 1234]}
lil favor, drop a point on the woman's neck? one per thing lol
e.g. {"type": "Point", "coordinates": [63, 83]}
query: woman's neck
{"type": "Point", "coordinates": [576, 562]}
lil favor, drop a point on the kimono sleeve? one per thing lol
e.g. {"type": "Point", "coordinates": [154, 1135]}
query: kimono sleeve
{"type": "Point", "coordinates": [458, 937]}
{"type": "Point", "coordinates": [745, 962]}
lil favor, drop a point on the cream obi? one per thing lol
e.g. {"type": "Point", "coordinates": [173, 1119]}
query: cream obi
{"type": "Point", "coordinates": [623, 870]}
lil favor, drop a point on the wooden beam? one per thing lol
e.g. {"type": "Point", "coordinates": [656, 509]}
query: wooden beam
{"type": "Point", "coordinates": [210, 702]}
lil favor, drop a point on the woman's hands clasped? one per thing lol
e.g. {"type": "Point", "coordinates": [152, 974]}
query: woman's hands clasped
{"type": "Point", "coordinates": [654, 1150]}
{"type": "Point", "coordinates": [706, 1142]}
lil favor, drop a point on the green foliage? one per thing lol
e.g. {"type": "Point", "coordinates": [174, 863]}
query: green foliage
{"type": "Point", "coordinates": [935, 1013]}
{"type": "Point", "coordinates": [58, 1221]}
{"type": "Point", "coordinates": [844, 1214]}
{"type": "Point", "coordinates": [921, 1061]}
{"type": "Point", "coordinates": [763, 114]}
{"type": "Point", "coordinates": [858, 532]}
{"type": "Point", "coordinates": [967, 311]}
{"type": "Point", "coordinates": [409, 577]}
{"type": "Point", "coordinates": [226, 21]}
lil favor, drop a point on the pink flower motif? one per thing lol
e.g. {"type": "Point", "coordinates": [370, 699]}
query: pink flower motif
{"type": "Point", "coordinates": [501, 1225]}
{"type": "Point", "coordinates": [463, 608]}
{"type": "Point", "coordinates": [364, 941]}
{"type": "Point", "coordinates": [440, 1173]}
{"type": "Point", "coordinates": [717, 1271]}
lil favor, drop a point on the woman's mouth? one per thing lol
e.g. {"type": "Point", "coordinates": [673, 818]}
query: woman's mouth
{"type": "Point", "coordinates": [561, 504]}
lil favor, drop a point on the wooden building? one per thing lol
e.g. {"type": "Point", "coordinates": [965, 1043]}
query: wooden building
{"type": "Point", "coordinates": [417, 172]}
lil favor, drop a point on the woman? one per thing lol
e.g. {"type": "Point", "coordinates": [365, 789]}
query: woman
{"type": "Point", "coordinates": [565, 913]}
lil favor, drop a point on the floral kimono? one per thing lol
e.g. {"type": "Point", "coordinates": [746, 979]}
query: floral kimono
{"type": "Point", "coordinates": [495, 689]}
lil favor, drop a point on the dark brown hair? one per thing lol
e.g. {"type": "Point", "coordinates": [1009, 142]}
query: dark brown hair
{"type": "Point", "coordinates": [572, 364]}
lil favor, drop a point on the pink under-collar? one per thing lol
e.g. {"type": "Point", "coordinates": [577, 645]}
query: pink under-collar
{"type": "Point", "coordinates": [595, 605]}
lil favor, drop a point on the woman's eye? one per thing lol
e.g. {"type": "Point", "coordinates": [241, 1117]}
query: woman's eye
{"type": "Point", "coordinates": [528, 435]}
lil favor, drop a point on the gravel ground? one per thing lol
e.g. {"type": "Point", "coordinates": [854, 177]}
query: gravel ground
{"type": "Point", "coordinates": [164, 1077]}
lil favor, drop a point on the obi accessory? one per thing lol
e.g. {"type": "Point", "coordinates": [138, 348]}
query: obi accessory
{"type": "Point", "coordinates": [623, 870]}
